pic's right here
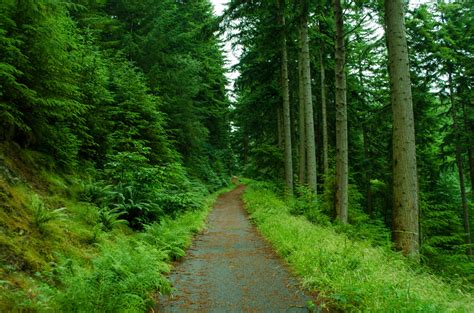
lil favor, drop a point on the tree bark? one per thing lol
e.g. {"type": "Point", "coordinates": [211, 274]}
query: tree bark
{"type": "Point", "coordinates": [324, 109]}
{"type": "Point", "coordinates": [301, 124]}
{"type": "Point", "coordinates": [280, 128]}
{"type": "Point", "coordinates": [367, 175]}
{"type": "Point", "coordinates": [342, 166]}
{"type": "Point", "coordinates": [285, 90]}
{"type": "Point", "coordinates": [405, 182]}
{"type": "Point", "coordinates": [309, 118]}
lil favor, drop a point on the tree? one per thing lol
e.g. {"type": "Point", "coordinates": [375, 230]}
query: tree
{"type": "Point", "coordinates": [308, 103]}
{"type": "Point", "coordinates": [286, 100]}
{"type": "Point", "coordinates": [342, 166]}
{"type": "Point", "coordinates": [405, 183]}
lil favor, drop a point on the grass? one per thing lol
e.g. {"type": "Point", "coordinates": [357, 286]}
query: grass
{"type": "Point", "coordinates": [349, 275]}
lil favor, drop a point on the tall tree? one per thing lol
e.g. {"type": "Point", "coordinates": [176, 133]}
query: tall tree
{"type": "Point", "coordinates": [285, 92]}
{"type": "Point", "coordinates": [342, 165]}
{"type": "Point", "coordinates": [306, 83]}
{"type": "Point", "coordinates": [405, 182]}
{"type": "Point", "coordinates": [324, 119]}
{"type": "Point", "coordinates": [301, 124]}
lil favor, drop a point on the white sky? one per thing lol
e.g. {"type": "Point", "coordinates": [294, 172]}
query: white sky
{"type": "Point", "coordinates": [231, 56]}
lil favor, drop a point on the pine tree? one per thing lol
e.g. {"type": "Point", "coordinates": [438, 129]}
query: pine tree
{"type": "Point", "coordinates": [405, 184]}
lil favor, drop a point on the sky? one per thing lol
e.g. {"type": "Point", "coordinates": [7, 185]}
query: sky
{"type": "Point", "coordinates": [231, 56]}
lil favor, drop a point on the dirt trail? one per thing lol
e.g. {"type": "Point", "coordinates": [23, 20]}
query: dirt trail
{"type": "Point", "coordinates": [230, 268]}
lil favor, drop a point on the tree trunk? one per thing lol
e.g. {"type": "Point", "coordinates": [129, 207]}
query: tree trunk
{"type": "Point", "coordinates": [342, 167]}
{"type": "Point", "coordinates": [309, 118]}
{"type": "Point", "coordinates": [301, 124]}
{"type": "Point", "coordinates": [285, 90]}
{"type": "Point", "coordinates": [459, 163]}
{"type": "Point", "coordinates": [280, 128]}
{"type": "Point", "coordinates": [405, 183]}
{"type": "Point", "coordinates": [246, 149]}
{"type": "Point", "coordinates": [367, 175]}
{"type": "Point", "coordinates": [323, 109]}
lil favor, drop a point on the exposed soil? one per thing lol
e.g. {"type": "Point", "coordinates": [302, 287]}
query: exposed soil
{"type": "Point", "coordinates": [231, 268]}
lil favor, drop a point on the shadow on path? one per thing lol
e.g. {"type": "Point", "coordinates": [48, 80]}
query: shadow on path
{"type": "Point", "coordinates": [231, 268]}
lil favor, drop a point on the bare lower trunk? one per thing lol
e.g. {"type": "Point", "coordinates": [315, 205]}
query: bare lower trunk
{"type": "Point", "coordinates": [246, 149]}
{"type": "Point", "coordinates": [323, 110]}
{"type": "Point", "coordinates": [309, 117]}
{"type": "Point", "coordinates": [471, 170]}
{"type": "Point", "coordinates": [285, 90]}
{"type": "Point", "coordinates": [301, 124]}
{"type": "Point", "coordinates": [342, 167]}
{"type": "Point", "coordinates": [368, 189]}
{"type": "Point", "coordinates": [405, 182]}
{"type": "Point", "coordinates": [280, 128]}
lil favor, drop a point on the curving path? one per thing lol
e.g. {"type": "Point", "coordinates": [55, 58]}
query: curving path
{"type": "Point", "coordinates": [230, 268]}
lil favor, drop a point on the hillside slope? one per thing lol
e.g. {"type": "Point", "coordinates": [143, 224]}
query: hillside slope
{"type": "Point", "coordinates": [59, 251]}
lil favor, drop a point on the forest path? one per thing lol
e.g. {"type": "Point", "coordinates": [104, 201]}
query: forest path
{"type": "Point", "coordinates": [231, 268]}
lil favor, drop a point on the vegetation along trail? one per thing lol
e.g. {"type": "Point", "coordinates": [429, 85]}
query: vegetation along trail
{"type": "Point", "coordinates": [231, 268]}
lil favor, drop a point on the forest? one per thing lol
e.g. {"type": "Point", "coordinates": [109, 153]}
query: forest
{"type": "Point", "coordinates": [120, 126]}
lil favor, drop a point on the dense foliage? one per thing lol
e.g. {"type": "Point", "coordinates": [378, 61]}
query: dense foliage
{"type": "Point", "coordinates": [107, 84]}
{"type": "Point", "coordinates": [112, 113]}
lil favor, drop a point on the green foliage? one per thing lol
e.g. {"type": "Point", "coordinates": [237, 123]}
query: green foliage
{"type": "Point", "coordinates": [108, 219]}
{"type": "Point", "coordinates": [306, 203]}
{"type": "Point", "coordinates": [349, 274]}
{"type": "Point", "coordinates": [42, 215]}
{"type": "Point", "coordinates": [120, 279]}
{"type": "Point", "coordinates": [138, 208]}
{"type": "Point", "coordinates": [96, 192]}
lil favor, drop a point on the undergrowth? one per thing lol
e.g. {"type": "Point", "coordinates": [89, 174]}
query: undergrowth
{"type": "Point", "coordinates": [349, 273]}
{"type": "Point", "coordinates": [68, 245]}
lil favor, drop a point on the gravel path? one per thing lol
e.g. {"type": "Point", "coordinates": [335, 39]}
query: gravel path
{"type": "Point", "coordinates": [230, 268]}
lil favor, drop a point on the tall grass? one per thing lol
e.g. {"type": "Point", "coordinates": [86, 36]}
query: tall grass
{"type": "Point", "coordinates": [350, 275]}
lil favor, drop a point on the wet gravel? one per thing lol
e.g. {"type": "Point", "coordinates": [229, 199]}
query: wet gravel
{"type": "Point", "coordinates": [231, 268]}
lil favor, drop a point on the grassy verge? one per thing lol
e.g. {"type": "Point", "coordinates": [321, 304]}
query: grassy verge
{"type": "Point", "coordinates": [349, 275]}
{"type": "Point", "coordinates": [58, 256]}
